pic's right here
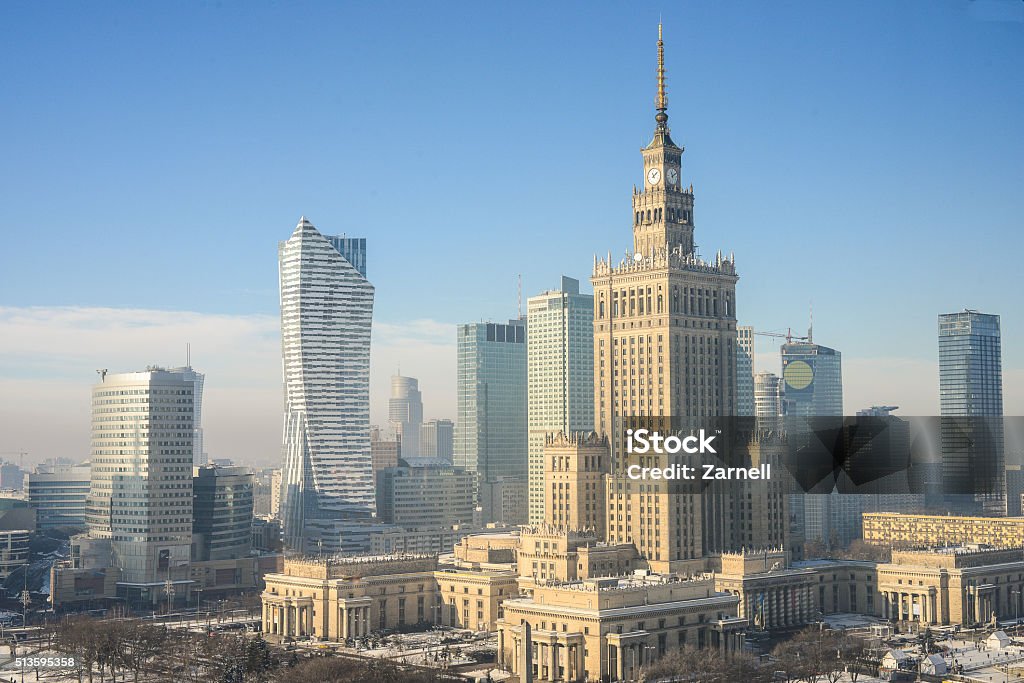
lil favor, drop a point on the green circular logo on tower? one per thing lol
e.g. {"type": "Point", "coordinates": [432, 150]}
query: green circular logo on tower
{"type": "Point", "coordinates": [798, 374]}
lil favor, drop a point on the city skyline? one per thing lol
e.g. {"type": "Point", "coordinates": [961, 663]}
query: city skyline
{"type": "Point", "coordinates": [765, 304]}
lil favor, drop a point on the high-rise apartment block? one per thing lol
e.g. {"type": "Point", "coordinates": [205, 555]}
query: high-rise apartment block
{"type": "Point", "coordinates": [140, 495]}
{"type": "Point", "coordinates": [490, 430]}
{"type": "Point", "coordinates": [745, 390]}
{"type": "Point", "coordinates": [560, 359]}
{"type": "Point", "coordinates": [326, 312]}
{"type": "Point", "coordinates": [405, 412]}
{"type": "Point", "coordinates": [437, 440]}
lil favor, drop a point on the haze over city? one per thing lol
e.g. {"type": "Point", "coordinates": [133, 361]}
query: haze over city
{"type": "Point", "coordinates": [152, 176]}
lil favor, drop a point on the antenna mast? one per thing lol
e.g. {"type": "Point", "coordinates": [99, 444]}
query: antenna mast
{"type": "Point", "coordinates": [810, 330]}
{"type": "Point", "coordinates": [519, 294]}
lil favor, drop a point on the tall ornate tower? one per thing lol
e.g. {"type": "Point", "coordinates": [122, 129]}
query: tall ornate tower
{"type": "Point", "coordinates": [664, 345]}
{"type": "Point", "coordinates": [663, 210]}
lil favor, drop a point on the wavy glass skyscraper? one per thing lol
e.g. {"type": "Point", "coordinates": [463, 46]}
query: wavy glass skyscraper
{"type": "Point", "coordinates": [326, 313]}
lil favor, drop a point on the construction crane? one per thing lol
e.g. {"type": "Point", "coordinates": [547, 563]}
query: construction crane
{"type": "Point", "coordinates": [788, 336]}
{"type": "Point", "coordinates": [21, 456]}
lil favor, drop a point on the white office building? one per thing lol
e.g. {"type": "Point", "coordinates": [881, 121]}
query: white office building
{"type": "Point", "coordinates": [326, 313]}
{"type": "Point", "coordinates": [560, 374]}
{"type": "Point", "coordinates": [140, 493]}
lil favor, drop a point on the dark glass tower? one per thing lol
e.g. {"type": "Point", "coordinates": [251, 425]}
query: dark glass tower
{"type": "Point", "coordinates": [971, 388]}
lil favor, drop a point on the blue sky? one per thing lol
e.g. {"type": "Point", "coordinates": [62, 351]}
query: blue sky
{"type": "Point", "coordinates": [868, 157]}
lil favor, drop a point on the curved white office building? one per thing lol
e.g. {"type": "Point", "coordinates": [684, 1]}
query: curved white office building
{"type": "Point", "coordinates": [326, 312]}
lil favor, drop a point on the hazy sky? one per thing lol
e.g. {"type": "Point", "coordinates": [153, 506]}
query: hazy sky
{"type": "Point", "coordinates": [868, 157]}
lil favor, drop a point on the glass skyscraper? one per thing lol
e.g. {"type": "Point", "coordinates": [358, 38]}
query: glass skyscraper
{"type": "Point", "coordinates": [560, 351]}
{"type": "Point", "coordinates": [812, 379]}
{"type": "Point", "coordinates": [971, 386]}
{"type": "Point", "coordinates": [491, 426]}
{"type": "Point", "coordinates": [326, 313]}
{"type": "Point", "coordinates": [970, 364]}
{"type": "Point", "coordinates": [405, 412]}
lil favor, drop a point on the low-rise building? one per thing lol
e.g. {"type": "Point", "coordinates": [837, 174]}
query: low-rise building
{"type": "Point", "coordinates": [952, 585]}
{"type": "Point", "coordinates": [897, 530]}
{"type": "Point", "coordinates": [58, 494]}
{"type": "Point", "coordinates": [341, 598]}
{"type": "Point", "coordinates": [772, 594]}
{"type": "Point", "coordinates": [596, 628]}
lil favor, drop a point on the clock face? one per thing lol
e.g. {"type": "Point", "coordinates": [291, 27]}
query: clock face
{"type": "Point", "coordinates": [653, 176]}
{"type": "Point", "coordinates": [673, 175]}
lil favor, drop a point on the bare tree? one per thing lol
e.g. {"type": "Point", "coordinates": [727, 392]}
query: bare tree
{"type": "Point", "coordinates": [706, 666]}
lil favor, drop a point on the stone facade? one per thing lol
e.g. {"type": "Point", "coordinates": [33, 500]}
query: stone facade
{"type": "Point", "coordinates": [957, 585]}
{"type": "Point", "coordinates": [574, 481]}
{"type": "Point", "coordinates": [587, 630]}
{"type": "Point", "coordinates": [548, 552]}
{"type": "Point", "coordinates": [346, 598]}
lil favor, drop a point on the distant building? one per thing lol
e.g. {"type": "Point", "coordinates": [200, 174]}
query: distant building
{"type": "Point", "coordinates": [1014, 490]}
{"type": "Point", "coordinates": [384, 451]}
{"type": "Point", "coordinates": [491, 429]}
{"type": "Point", "coordinates": [971, 386]}
{"type": "Point", "coordinates": [266, 535]}
{"type": "Point", "coordinates": [17, 522]}
{"type": "Point", "coordinates": [437, 440]}
{"type": "Point", "coordinates": [262, 496]}
{"type": "Point", "coordinates": [275, 493]}
{"type": "Point", "coordinates": [12, 477]}
{"type": "Point", "coordinates": [58, 496]}
{"type": "Point", "coordinates": [745, 403]}
{"type": "Point", "coordinates": [813, 379]}
{"type": "Point", "coordinates": [908, 530]}
{"type": "Point", "coordinates": [560, 374]}
{"type": "Point", "coordinates": [768, 395]}
{"type": "Point", "coordinates": [426, 496]}
{"type": "Point", "coordinates": [222, 512]}
{"type": "Point", "coordinates": [970, 364]}
{"type": "Point", "coordinates": [405, 412]}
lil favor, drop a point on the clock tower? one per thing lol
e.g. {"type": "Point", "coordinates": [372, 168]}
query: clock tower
{"type": "Point", "coordinates": [664, 346]}
{"type": "Point", "coordinates": [663, 209]}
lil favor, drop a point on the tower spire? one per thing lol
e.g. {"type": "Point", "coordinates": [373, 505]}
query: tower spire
{"type": "Point", "coordinates": [661, 101]}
